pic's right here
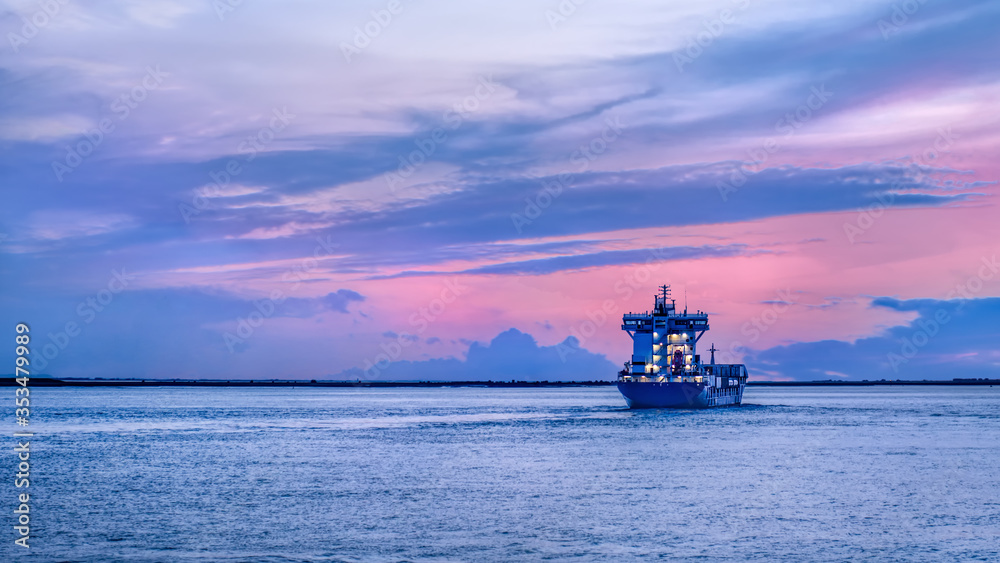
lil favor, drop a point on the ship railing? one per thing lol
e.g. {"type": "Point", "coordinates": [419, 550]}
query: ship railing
{"type": "Point", "coordinates": [699, 374]}
{"type": "Point", "coordinates": [663, 378]}
{"type": "Point", "coordinates": [726, 370]}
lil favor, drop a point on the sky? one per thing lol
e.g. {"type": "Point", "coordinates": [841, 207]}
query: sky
{"type": "Point", "coordinates": [463, 191]}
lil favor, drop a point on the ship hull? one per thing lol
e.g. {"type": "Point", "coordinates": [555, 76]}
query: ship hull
{"type": "Point", "coordinates": [677, 395]}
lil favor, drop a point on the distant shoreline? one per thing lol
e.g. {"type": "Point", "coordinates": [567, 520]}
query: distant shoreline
{"type": "Point", "coordinates": [52, 382]}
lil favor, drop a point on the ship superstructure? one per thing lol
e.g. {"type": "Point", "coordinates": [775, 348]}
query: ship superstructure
{"type": "Point", "coordinates": [666, 370]}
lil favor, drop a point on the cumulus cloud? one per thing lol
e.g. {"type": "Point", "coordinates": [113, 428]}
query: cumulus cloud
{"type": "Point", "coordinates": [948, 339]}
{"type": "Point", "coordinates": [339, 300]}
{"type": "Point", "coordinates": [511, 355]}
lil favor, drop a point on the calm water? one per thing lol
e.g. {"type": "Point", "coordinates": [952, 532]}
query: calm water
{"type": "Point", "coordinates": [476, 474]}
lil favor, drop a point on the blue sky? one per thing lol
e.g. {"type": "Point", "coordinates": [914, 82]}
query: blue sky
{"type": "Point", "coordinates": [274, 190]}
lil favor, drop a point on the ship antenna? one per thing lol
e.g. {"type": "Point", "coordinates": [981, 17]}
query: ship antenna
{"type": "Point", "coordinates": [685, 299]}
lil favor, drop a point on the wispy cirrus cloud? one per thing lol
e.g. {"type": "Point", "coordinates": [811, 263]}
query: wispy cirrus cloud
{"type": "Point", "coordinates": [684, 130]}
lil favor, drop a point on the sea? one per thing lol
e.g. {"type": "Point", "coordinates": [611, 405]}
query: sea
{"type": "Point", "coordinates": [476, 474]}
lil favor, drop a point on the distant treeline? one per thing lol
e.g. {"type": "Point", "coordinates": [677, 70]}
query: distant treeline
{"type": "Point", "coordinates": [42, 381]}
{"type": "Point", "coordinates": [866, 382]}
{"type": "Point", "coordinates": [53, 382]}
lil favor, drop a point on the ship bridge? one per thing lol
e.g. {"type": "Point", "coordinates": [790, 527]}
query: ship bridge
{"type": "Point", "coordinates": [664, 341]}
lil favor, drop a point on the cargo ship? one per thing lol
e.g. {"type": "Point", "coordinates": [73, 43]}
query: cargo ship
{"type": "Point", "coordinates": [666, 370]}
